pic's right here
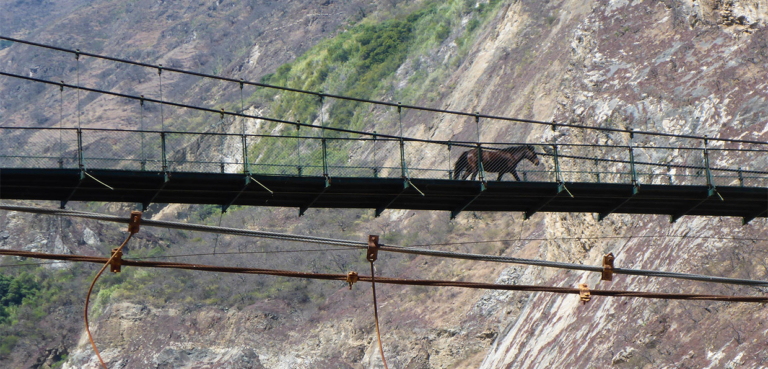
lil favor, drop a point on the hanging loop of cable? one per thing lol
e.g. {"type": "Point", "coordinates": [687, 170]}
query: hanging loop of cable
{"type": "Point", "coordinates": [373, 248]}
{"type": "Point", "coordinates": [133, 227]}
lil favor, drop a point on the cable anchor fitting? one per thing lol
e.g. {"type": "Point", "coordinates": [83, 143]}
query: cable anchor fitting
{"type": "Point", "coordinates": [116, 260]}
{"type": "Point", "coordinates": [373, 248]}
{"type": "Point", "coordinates": [584, 293]}
{"type": "Point", "coordinates": [607, 267]}
{"type": "Point", "coordinates": [135, 222]}
{"type": "Point", "coordinates": [352, 278]}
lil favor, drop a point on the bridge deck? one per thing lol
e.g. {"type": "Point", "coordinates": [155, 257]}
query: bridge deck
{"type": "Point", "coordinates": [380, 193]}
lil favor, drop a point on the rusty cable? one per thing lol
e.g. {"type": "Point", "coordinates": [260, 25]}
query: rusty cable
{"type": "Point", "coordinates": [108, 262]}
{"type": "Point", "coordinates": [386, 280]}
{"type": "Point", "coordinates": [376, 317]}
{"type": "Point", "coordinates": [382, 247]}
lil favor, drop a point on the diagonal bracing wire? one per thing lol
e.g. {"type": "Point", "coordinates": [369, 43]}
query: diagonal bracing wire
{"type": "Point", "coordinates": [395, 249]}
{"type": "Point", "coordinates": [376, 102]}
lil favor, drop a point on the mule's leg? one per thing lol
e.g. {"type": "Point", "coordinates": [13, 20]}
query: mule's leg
{"type": "Point", "coordinates": [474, 174]}
{"type": "Point", "coordinates": [514, 173]}
{"type": "Point", "coordinates": [499, 177]}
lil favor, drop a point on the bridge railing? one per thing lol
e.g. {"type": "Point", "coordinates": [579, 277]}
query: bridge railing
{"type": "Point", "coordinates": [681, 162]}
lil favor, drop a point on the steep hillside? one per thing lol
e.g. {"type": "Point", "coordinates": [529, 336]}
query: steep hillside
{"type": "Point", "coordinates": [683, 66]}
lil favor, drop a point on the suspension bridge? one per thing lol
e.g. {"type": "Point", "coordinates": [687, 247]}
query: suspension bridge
{"type": "Point", "coordinates": [342, 168]}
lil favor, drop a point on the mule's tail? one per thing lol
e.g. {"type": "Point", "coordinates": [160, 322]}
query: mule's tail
{"type": "Point", "coordinates": [462, 164]}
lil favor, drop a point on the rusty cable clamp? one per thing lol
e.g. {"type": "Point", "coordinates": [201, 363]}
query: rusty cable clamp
{"type": "Point", "coordinates": [135, 222]}
{"type": "Point", "coordinates": [116, 257]}
{"type": "Point", "coordinates": [607, 274]}
{"type": "Point", "coordinates": [116, 261]}
{"type": "Point", "coordinates": [584, 293]}
{"type": "Point", "coordinates": [373, 248]}
{"type": "Point", "coordinates": [352, 278]}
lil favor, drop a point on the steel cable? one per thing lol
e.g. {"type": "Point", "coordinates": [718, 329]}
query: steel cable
{"type": "Point", "coordinates": [108, 261]}
{"type": "Point", "coordinates": [375, 102]}
{"type": "Point", "coordinates": [385, 136]}
{"type": "Point", "coordinates": [386, 280]}
{"type": "Point", "coordinates": [396, 249]}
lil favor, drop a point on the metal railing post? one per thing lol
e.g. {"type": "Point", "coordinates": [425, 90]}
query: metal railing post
{"type": "Point", "coordinates": [450, 171]}
{"type": "Point", "coordinates": [246, 167]}
{"type": "Point", "coordinates": [164, 160]}
{"type": "Point", "coordinates": [298, 148]}
{"type": "Point", "coordinates": [325, 159]}
{"type": "Point", "coordinates": [597, 171]}
{"type": "Point", "coordinates": [741, 178]}
{"type": "Point", "coordinates": [632, 172]}
{"type": "Point", "coordinates": [480, 168]}
{"type": "Point", "coordinates": [706, 165]}
{"type": "Point", "coordinates": [375, 165]}
{"type": "Point", "coordinates": [402, 158]}
{"type": "Point", "coordinates": [558, 176]}
{"type": "Point", "coordinates": [80, 160]}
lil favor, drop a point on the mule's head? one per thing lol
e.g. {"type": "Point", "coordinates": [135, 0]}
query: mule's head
{"type": "Point", "coordinates": [530, 154]}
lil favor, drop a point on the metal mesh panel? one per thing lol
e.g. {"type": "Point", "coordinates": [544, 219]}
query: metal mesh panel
{"type": "Point", "coordinates": [596, 164]}
{"type": "Point", "coordinates": [647, 171]}
{"type": "Point", "coordinates": [279, 155]}
{"type": "Point", "coordinates": [150, 151]}
{"type": "Point", "coordinates": [45, 148]}
{"type": "Point", "coordinates": [730, 166]}
{"type": "Point", "coordinates": [111, 149]}
{"type": "Point", "coordinates": [350, 157]}
{"type": "Point", "coordinates": [195, 152]}
{"type": "Point", "coordinates": [425, 160]}
{"type": "Point", "coordinates": [678, 162]}
{"type": "Point", "coordinates": [388, 158]}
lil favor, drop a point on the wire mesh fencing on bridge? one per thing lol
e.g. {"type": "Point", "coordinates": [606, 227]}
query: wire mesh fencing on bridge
{"type": "Point", "coordinates": [300, 153]}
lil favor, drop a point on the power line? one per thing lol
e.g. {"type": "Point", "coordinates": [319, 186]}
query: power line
{"type": "Point", "coordinates": [553, 124]}
{"type": "Point", "coordinates": [396, 249]}
{"type": "Point", "coordinates": [397, 281]}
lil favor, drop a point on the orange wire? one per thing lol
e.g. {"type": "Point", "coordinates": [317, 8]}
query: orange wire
{"type": "Point", "coordinates": [88, 297]}
{"type": "Point", "coordinates": [376, 316]}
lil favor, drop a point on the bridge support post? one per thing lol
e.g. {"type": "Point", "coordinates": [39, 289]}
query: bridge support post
{"type": "Point", "coordinates": [710, 182]}
{"type": "Point", "coordinates": [403, 168]}
{"type": "Point", "coordinates": [711, 189]}
{"type": "Point", "coordinates": [246, 167]}
{"type": "Point", "coordinates": [480, 168]}
{"type": "Point", "coordinates": [80, 165]}
{"type": "Point", "coordinates": [325, 165]}
{"type": "Point", "coordinates": [375, 164]}
{"type": "Point", "coordinates": [163, 159]}
{"type": "Point", "coordinates": [560, 187]}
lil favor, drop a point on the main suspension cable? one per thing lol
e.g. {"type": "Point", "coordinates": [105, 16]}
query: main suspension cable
{"type": "Point", "coordinates": [396, 249]}
{"type": "Point", "coordinates": [553, 124]}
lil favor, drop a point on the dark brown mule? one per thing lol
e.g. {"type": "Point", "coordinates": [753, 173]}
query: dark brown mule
{"type": "Point", "coordinates": [498, 161]}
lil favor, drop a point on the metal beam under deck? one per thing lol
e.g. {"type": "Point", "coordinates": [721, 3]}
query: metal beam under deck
{"type": "Point", "coordinates": [371, 193]}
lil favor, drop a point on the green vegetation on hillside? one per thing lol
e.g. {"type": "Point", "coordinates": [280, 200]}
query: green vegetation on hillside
{"type": "Point", "coordinates": [28, 297]}
{"type": "Point", "coordinates": [362, 62]}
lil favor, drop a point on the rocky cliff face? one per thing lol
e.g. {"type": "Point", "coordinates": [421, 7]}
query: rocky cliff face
{"type": "Point", "coordinates": [693, 67]}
